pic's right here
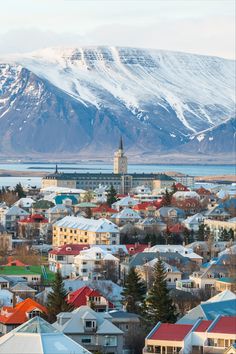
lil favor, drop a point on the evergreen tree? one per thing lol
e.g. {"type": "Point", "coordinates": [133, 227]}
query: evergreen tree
{"type": "Point", "coordinates": [231, 234]}
{"type": "Point", "coordinates": [111, 195]}
{"type": "Point", "coordinates": [19, 191]}
{"type": "Point", "coordinates": [57, 299]}
{"type": "Point", "coordinates": [134, 292]}
{"type": "Point", "coordinates": [201, 233]}
{"type": "Point", "coordinates": [166, 199]}
{"type": "Point", "coordinates": [224, 235]}
{"type": "Point", "coordinates": [159, 305]}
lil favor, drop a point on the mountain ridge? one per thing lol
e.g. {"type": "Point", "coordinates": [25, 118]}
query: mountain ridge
{"type": "Point", "coordinates": [100, 93]}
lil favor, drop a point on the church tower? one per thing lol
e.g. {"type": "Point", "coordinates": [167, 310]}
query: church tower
{"type": "Point", "coordinates": [120, 160]}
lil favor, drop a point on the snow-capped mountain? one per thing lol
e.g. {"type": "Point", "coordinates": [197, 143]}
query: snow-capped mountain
{"type": "Point", "coordinates": [212, 139]}
{"type": "Point", "coordinates": [80, 100]}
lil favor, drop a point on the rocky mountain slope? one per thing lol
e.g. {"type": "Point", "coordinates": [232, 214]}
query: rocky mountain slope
{"type": "Point", "coordinates": [80, 100]}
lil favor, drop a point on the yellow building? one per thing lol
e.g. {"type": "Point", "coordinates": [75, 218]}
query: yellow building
{"type": "Point", "coordinates": [76, 230]}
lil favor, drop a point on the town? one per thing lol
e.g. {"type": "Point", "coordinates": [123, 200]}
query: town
{"type": "Point", "coordinates": [118, 263]}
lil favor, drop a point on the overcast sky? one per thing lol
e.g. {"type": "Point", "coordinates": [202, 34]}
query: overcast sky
{"type": "Point", "coordinates": [197, 26]}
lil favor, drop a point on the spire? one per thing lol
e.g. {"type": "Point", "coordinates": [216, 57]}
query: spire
{"type": "Point", "coordinates": [121, 144]}
{"type": "Point", "coordinates": [56, 171]}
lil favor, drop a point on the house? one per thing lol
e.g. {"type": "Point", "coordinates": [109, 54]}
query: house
{"type": "Point", "coordinates": [222, 284]}
{"type": "Point", "coordinates": [93, 330]}
{"type": "Point", "coordinates": [25, 203]}
{"type": "Point", "coordinates": [103, 211]}
{"type": "Point", "coordinates": [4, 283]}
{"type": "Point", "coordinates": [58, 212]}
{"type": "Point", "coordinates": [11, 217]}
{"type": "Point", "coordinates": [146, 209]}
{"type": "Point", "coordinates": [192, 222]}
{"type": "Point", "coordinates": [41, 206]}
{"type": "Point", "coordinates": [220, 267]}
{"type": "Point", "coordinates": [89, 297]}
{"type": "Point", "coordinates": [6, 298]}
{"type": "Point", "coordinates": [190, 206]}
{"type": "Point", "coordinates": [74, 230]}
{"type": "Point", "coordinates": [126, 202]}
{"type": "Point", "coordinates": [62, 258]}
{"type": "Point", "coordinates": [94, 262]}
{"type": "Point", "coordinates": [184, 251]}
{"type": "Point", "coordinates": [202, 248]}
{"type": "Point", "coordinates": [130, 324]}
{"type": "Point", "coordinates": [146, 272]}
{"type": "Point", "coordinates": [170, 215]}
{"type": "Point", "coordinates": [11, 317]}
{"type": "Point", "coordinates": [109, 290]}
{"type": "Point", "coordinates": [203, 336]}
{"type": "Point", "coordinates": [31, 274]}
{"type": "Point", "coordinates": [66, 199]}
{"type": "Point", "coordinates": [180, 187]}
{"type": "Point", "coordinates": [37, 336]}
{"type": "Point", "coordinates": [5, 240]}
{"type": "Point", "coordinates": [218, 212]}
{"type": "Point", "coordinates": [34, 227]}
{"type": "Point", "coordinates": [216, 226]}
{"type": "Point", "coordinates": [185, 195]}
{"type": "Point", "coordinates": [100, 194]}
{"type": "Point", "coordinates": [211, 309]}
{"type": "Point", "coordinates": [23, 291]}
{"type": "Point", "coordinates": [150, 225]}
{"type": "Point", "coordinates": [125, 216]}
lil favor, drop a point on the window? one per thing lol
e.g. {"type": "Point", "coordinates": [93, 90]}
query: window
{"type": "Point", "coordinates": [34, 313]}
{"type": "Point", "coordinates": [110, 341]}
{"type": "Point", "coordinates": [86, 339]}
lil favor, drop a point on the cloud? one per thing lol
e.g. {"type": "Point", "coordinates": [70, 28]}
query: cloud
{"type": "Point", "coordinates": [210, 36]}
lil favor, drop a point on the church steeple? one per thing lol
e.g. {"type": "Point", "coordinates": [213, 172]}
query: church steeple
{"type": "Point", "coordinates": [121, 144]}
{"type": "Point", "coordinates": [120, 160]}
{"type": "Point", "coordinates": [56, 170]}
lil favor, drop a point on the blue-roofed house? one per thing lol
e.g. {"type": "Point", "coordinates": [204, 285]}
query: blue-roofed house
{"type": "Point", "coordinates": [209, 310]}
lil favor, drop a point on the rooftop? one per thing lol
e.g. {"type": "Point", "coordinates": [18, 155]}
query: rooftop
{"type": "Point", "coordinates": [170, 332]}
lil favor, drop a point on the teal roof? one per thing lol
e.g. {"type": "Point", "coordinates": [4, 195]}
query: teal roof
{"type": "Point", "coordinates": [86, 205]}
{"type": "Point", "coordinates": [60, 198]}
{"type": "Point", "coordinates": [227, 280]}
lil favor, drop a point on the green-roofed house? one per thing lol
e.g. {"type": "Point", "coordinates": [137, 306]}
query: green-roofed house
{"type": "Point", "coordinates": [34, 275]}
{"type": "Point", "coordinates": [41, 206]}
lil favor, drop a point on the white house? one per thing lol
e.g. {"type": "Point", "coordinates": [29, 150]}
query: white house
{"type": "Point", "coordinates": [90, 261]}
{"type": "Point", "coordinates": [126, 202]}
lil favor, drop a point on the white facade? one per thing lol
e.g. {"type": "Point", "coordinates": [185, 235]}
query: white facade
{"type": "Point", "coordinates": [90, 261]}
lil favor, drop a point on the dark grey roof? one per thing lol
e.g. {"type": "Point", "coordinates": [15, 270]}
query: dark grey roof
{"type": "Point", "coordinates": [143, 257]}
{"type": "Point", "coordinates": [76, 176]}
{"type": "Point", "coordinates": [123, 315]}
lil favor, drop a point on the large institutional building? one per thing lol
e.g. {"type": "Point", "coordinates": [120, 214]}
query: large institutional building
{"type": "Point", "coordinates": [122, 181]}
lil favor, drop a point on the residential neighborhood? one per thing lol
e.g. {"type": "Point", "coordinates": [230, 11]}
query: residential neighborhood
{"type": "Point", "coordinates": [149, 271]}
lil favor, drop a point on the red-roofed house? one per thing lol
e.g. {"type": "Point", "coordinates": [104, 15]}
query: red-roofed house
{"type": "Point", "coordinates": [204, 336]}
{"type": "Point", "coordinates": [136, 248]}
{"type": "Point", "coordinates": [181, 187]}
{"type": "Point", "coordinates": [63, 257]}
{"type": "Point", "coordinates": [103, 211]}
{"type": "Point", "coordinates": [167, 338]}
{"type": "Point", "coordinates": [33, 227]}
{"type": "Point", "coordinates": [145, 209]}
{"type": "Point", "coordinates": [14, 262]}
{"type": "Point", "coordinates": [11, 317]}
{"type": "Point", "coordinates": [90, 297]}
{"type": "Point", "coordinates": [177, 229]}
